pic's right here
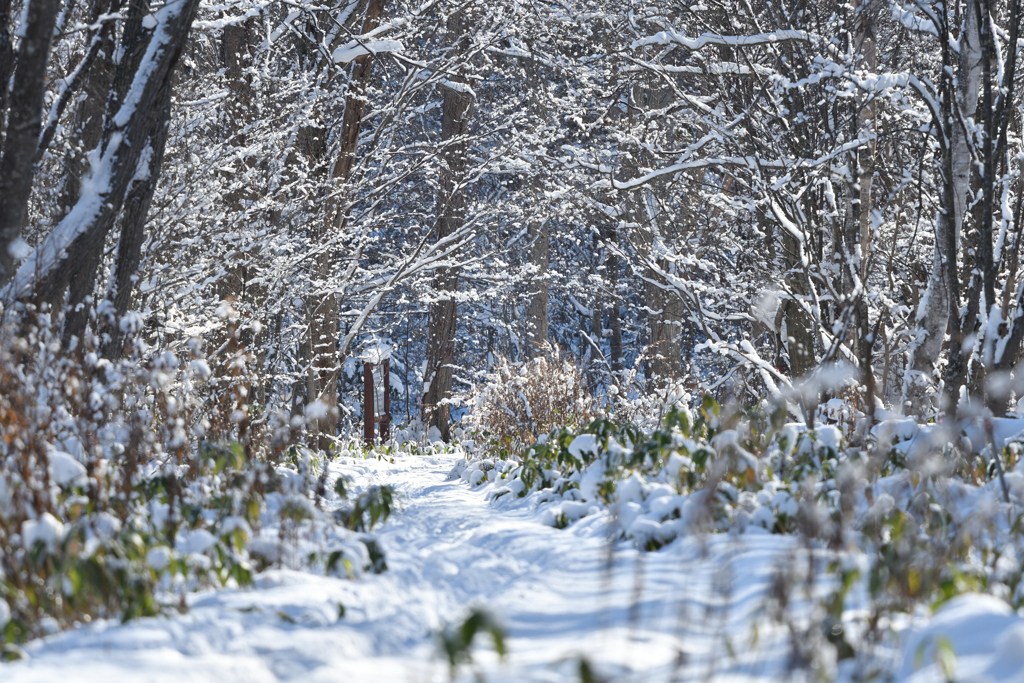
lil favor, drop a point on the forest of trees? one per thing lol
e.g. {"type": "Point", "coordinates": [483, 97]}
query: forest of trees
{"type": "Point", "coordinates": [683, 271]}
{"type": "Point", "coordinates": [714, 198]}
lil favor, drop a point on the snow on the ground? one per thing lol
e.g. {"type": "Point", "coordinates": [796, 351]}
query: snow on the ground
{"type": "Point", "coordinates": [694, 610]}
{"type": "Point", "coordinates": [983, 634]}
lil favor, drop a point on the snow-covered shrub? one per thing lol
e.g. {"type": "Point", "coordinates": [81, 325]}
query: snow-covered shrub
{"type": "Point", "coordinates": [370, 508]}
{"type": "Point", "coordinates": [522, 401]}
{"type": "Point", "coordinates": [889, 527]}
{"type": "Point", "coordinates": [124, 485]}
{"type": "Point", "coordinates": [108, 513]}
{"type": "Point", "coordinates": [702, 470]}
{"type": "Point", "coordinates": [635, 399]}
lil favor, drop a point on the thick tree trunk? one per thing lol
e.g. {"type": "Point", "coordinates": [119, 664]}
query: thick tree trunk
{"type": "Point", "coordinates": [969, 70]}
{"type": "Point", "coordinates": [24, 122]}
{"type": "Point", "coordinates": [932, 315]}
{"type": "Point", "coordinates": [536, 321]}
{"type": "Point", "coordinates": [132, 235]}
{"type": "Point", "coordinates": [606, 299]}
{"type": "Point", "coordinates": [88, 131]}
{"type": "Point", "coordinates": [957, 197]}
{"type": "Point", "coordinates": [128, 126]}
{"type": "Point", "coordinates": [665, 308]}
{"type": "Point", "coordinates": [87, 127]}
{"type": "Point", "coordinates": [456, 112]}
{"type": "Point", "coordinates": [665, 345]}
{"type": "Point", "coordinates": [537, 310]}
{"type": "Point", "coordinates": [864, 29]}
{"type": "Point", "coordinates": [866, 39]}
{"type": "Point", "coordinates": [6, 63]}
{"type": "Point", "coordinates": [986, 209]}
{"type": "Point", "coordinates": [324, 307]}
{"type": "Point", "coordinates": [1007, 356]}
{"type": "Point", "coordinates": [938, 312]}
{"type": "Point", "coordinates": [799, 337]}
{"type": "Point", "coordinates": [80, 268]}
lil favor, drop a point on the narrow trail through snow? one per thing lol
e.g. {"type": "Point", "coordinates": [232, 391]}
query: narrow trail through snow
{"type": "Point", "coordinates": [678, 614]}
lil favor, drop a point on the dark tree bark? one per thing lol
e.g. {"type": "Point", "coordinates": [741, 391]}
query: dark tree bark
{"type": "Point", "coordinates": [539, 228]}
{"type": "Point", "coordinates": [134, 113]}
{"type": "Point", "coordinates": [607, 299]}
{"type": "Point", "coordinates": [997, 124]}
{"type": "Point", "coordinates": [665, 309]}
{"type": "Point", "coordinates": [325, 319]}
{"type": "Point", "coordinates": [940, 316]}
{"type": "Point", "coordinates": [456, 112]}
{"type": "Point", "coordinates": [799, 325]}
{"type": "Point", "coordinates": [455, 115]}
{"type": "Point", "coordinates": [240, 283]}
{"type": "Point", "coordinates": [98, 55]}
{"type": "Point", "coordinates": [110, 89]}
{"type": "Point", "coordinates": [665, 327]}
{"type": "Point", "coordinates": [6, 62]}
{"type": "Point", "coordinates": [864, 161]}
{"type": "Point", "coordinates": [537, 309]}
{"type": "Point", "coordinates": [132, 235]}
{"type": "Point", "coordinates": [24, 121]}
{"type": "Point", "coordinates": [87, 133]}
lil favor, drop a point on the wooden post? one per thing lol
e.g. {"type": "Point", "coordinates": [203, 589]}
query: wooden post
{"type": "Point", "coordinates": [368, 401]}
{"type": "Point", "coordinates": [385, 413]}
{"type": "Point", "coordinates": [375, 411]}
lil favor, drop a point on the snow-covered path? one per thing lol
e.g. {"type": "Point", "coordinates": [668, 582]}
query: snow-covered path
{"type": "Point", "coordinates": [448, 549]}
{"type": "Point", "coordinates": [684, 613]}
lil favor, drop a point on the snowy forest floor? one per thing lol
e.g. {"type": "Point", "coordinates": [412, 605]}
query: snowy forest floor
{"type": "Point", "coordinates": [692, 611]}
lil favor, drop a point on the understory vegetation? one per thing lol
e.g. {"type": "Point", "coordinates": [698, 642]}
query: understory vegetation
{"type": "Point", "coordinates": [898, 520]}
{"type": "Point", "coordinates": [742, 267]}
{"type": "Point", "coordinates": [123, 487]}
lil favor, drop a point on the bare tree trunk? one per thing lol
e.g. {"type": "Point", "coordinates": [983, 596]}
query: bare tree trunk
{"type": "Point", "coordinates": [87, 128]}
{"type": "Point", "coordinates": [969, 70]}
{"type": "Point", "coordinates": [129, 124]}
{"type": "Point", "coordinates": [456, 112]}
{"type": "Point", "coordinates": [88, 131]}
{"type": "Point", "coordinates": [665, 307]}
{"type": "Point", "coordinates": [665, 345]}
{"type": "Point", "coordinates": [597, 312]}
{"type": "Point", "coordinates": [607, 298]}
{"type": "Point", "coordinates": [24, 122]}
{"type": "Point", "coordinates": [968, 83]}
{"type": "Point", "coordinates": [324, 307]}
{"type": "Point", "coordinates": [864, 30]}
{"type": "Point", "coordinates": [537, 310]}
{"type": "Point", "coordinates": [932, 315]}
{"type": "Point", "coordinates": [132, 235]}
{"type": "Point", "coordinates": [940, 305]}
{"type": "Point", "coordinates": [614, 319]}
{"type": "Point", "coordinates": [986, 208]}
{"type": "Point", "coordinates": [536, 323]}
{"type": "Point", "coordinates": [1007, 357]}
{"type": "Point", "coordinates": [6, 63]}
{"type": "Point", "coordinates": [80, 268]}
{"type": "Point", "coordinates": [799, 337]}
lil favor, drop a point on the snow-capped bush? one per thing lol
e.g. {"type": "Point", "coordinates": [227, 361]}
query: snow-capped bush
{"type": "Point", "coordinates": [895, 538]}
{"type": "Point", "coordinates": [698, 471]}
{"type": "Point", "coordinates": [125, 485]}
{"type": "Point", "coordinates": [521, 402]}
